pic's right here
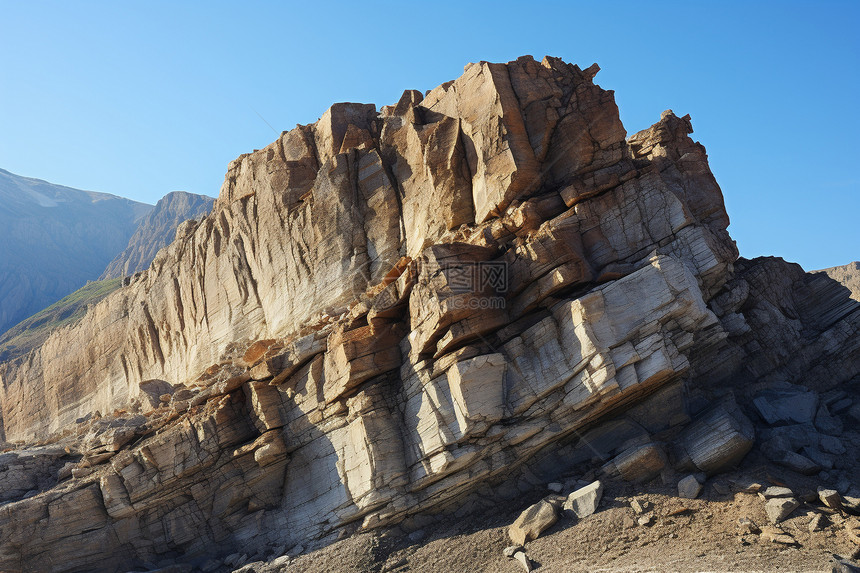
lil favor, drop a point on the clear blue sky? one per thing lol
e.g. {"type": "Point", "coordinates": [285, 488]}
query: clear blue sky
{"type": "Point", "coordinates": [142, 98]}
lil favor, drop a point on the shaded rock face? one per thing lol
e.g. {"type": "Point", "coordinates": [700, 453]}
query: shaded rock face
{"type": "Point", "coordinates": [54, 239]}
{"type": "Point", "coordinates": [389, 310]}
{"type": "Point", "coordinates": [156, 230]}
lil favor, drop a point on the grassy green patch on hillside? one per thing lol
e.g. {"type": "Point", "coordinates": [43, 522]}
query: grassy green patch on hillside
{"type": "Point", "coordinates": [32, 332]}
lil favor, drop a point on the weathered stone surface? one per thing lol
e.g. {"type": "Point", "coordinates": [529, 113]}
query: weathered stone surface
{"type": "Point", "coordinates": [532, 522]}
{"type": "Point", "coordinates": [789, 404]}
{"type": "Point", "coordinates": [778, 508]}
{"type": "Point", "coordinates": [30, 469]}
{"type": "Point", "coordinates": [638, 464]}
{"type": "Point", "coordinates": [689, 487]}
{"type": "Point", "coordinates": [777, 491]}
{"type": "Point", "coordinates": [794, 461]}
{"type": "Point", "coordinates": [583, 502]}
{"type": "Point", "coordinates": [523, 560]}
{"type": "Point", "coordinates": [716, 441]}
{"type": "Point", "coordinates": [830, 498]}
{"type": "Point", "coordinates": [847, 275]}
{"type": "Point", "coordinates": [801, 329]}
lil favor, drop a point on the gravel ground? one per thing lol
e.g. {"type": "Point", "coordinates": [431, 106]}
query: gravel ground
{"type": "Point", "coordinates": [686, 535]}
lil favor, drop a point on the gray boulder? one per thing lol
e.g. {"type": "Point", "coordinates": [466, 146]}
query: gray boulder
{"type": "Point", "coordinates": [827, 423]}
{"type": "Point", "coordinates": [788, 404]}
{"type": "Point", "coordinates": [583, 502]}
{"type": "Point", "coordinates": [689, 487]}
{"type": "Point", "coordinates": [716, 441]}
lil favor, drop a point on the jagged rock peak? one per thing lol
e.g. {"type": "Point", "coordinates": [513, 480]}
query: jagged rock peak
{"type": "Point", "coordinates": [505, 155]}
{"type": "Point", "coordinates": [156, 230]}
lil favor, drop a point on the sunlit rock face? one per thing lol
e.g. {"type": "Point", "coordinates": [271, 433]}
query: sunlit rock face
{"type": "Point", "coordinates": [388, 310]}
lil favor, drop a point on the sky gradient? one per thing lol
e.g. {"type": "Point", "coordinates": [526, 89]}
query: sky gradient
{"type": "Point", "coordinates": [140, 99]}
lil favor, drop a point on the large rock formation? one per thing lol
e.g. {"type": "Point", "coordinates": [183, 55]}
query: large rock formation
{"type": "Point", "coordinates": [156, 230]}
{"type": "Point", "coordinates": [54, 240]}
{"type": "Point", "coordinates": [387, 311]}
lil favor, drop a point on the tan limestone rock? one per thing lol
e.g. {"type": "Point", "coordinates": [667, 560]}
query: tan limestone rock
{"type": "Point", "coordinates": [532, 522]}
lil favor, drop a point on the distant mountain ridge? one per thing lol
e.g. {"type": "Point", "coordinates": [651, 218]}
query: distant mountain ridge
{"type": "Point", "coordinates": [156, 230]}
{"type": "Point", "coordinates": [55, 238]}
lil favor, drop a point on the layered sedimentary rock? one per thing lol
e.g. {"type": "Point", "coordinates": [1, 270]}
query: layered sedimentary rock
{"type": "Point", "coordinates": [304, 226]}
{"type": "Point", "coordinates": [387, 311]}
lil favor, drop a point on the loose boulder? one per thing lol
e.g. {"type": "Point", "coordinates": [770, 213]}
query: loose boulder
{"type": "Point", "coordinates": [689, 487]}
{"type": "Point", "coordinates": [637, 464]}
{"type": "Point", "coordinates": [778, 508]}
{"type": "Point", "coordinates": [532, 522]}
{"type": "Point", "coordinates": [787, 405]}
{"type": "Point", "coordinates": [583, 502]}
{"type": "Point", "coordinates": [716, 441]}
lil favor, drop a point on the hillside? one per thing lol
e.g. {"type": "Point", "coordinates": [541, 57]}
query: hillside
{"type": "Point", "coordinates": [32, 332]}
{"type": "Point", "coordinates": [55, 239]}
{"type": "Point", "coordinates": [155, 231]}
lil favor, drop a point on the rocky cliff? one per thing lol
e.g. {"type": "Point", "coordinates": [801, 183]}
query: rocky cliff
{"type": "Point", "coordinates": [391, 312]}
{"type": "Point", "coordinates": [155, 231]}
{"type": "Point", "coordinates": [54, 240]}
{"type": "Point", "coordinates": [848, 275]}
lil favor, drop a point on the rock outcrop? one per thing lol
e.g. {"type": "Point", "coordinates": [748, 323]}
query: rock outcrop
{"type": "Point", "coordinates": [848, 275]}
{"type": "Point", "coordinates": [156, 230]}
{"type": "Point", "coordinates": [486, 286]}
{"type": "Point", "coordinates": [54, 240]}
